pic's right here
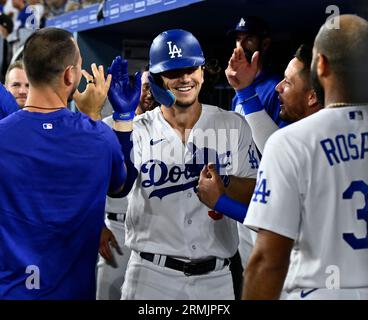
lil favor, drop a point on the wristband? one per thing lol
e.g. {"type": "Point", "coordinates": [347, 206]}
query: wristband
{"type": "Point", "coordinates": [231, 208]}
{"type": "Point", "coordinates": [127, 116]}
{"type": "Point", "coordinates": [249, 100]}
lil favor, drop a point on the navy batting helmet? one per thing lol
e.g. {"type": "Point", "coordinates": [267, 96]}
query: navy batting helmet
{"type": "Point", "coordinates": [175, 49]}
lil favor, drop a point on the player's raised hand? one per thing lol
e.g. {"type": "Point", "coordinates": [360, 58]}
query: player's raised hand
{"type": "Point", "coordinates": [92, 99]}
{"type": "Point", "coordinates": [106, 238]}
{"type": "Point", "coordinates": [123, 96]}
{"type": "Point", "coordinates": [240, 73]}
{"type": "Point", "coordinates": [210, 186]}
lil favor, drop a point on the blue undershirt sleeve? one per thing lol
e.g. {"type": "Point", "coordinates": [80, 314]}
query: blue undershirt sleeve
{"type": "Point", "coordinates": [132, 173]}
{"type": "Point", "coordinates": [249, 100]}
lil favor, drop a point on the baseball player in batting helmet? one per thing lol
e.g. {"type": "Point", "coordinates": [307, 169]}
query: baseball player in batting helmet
{"type": "Point", "coordinates": [175, 239]}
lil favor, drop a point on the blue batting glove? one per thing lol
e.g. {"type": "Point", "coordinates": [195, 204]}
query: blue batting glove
{"type": "Point", "coordinates": [123, 96]}
{"type": "Point", "coordinates": [8, 104]}
{"type": "Point", "coordinates": [165, 97]}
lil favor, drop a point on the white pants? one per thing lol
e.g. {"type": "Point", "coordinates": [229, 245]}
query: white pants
{"type": "Point", "coordinates": [146, 280]}
{"type": "Point", "coordinates": [110, 276]}
{"type": "Point", "coordinates": [327, 294]}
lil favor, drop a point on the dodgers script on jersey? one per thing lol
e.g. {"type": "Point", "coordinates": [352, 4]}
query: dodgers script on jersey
{"type": "Point", "coordinates": [312, 187]}
{"type": "Point", "coordinates": [164, 215]}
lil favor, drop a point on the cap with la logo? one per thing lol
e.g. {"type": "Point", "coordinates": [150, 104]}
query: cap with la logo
{"type": "Point", "coordinates": [251, 25]}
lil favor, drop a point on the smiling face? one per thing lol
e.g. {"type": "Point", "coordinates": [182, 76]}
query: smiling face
{"type": "Point", "coordinates": [185, 84]}
{"type": "Point", "coordinates": [293, 93]}
{"type": "Point", "coordinates": [17, 84]}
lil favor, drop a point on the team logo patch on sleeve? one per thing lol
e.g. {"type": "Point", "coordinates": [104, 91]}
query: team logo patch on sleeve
{"type": "Point", "coordinates": [252, 158]}
{"type": "Point", "coordinates": [261, 190]}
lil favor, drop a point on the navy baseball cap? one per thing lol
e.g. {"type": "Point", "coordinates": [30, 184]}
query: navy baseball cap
{"type": "Point", "coordinates": [251, 25]}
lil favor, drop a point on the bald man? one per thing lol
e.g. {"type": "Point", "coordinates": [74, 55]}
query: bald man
{"type": "Point", "coordinates": [312, 186]}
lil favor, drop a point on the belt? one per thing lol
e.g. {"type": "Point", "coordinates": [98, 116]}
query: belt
{"type": "Point", "coordinates": [189, 268]}
{"type": "Point", "coordinates": [116, 216]}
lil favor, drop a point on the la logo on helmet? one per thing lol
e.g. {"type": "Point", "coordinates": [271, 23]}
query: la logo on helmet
{"type": "Point", "coordinates": [173, 50]}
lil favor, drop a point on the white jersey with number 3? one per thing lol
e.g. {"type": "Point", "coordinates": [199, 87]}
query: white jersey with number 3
{"type": "Point", "coordinates": [312, 187]}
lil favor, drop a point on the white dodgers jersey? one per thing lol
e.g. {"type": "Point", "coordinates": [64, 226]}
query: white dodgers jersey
{"type": "Point", "coordinates": [165, 215]}
{"type": "Point", "coordinates": [312, 187]}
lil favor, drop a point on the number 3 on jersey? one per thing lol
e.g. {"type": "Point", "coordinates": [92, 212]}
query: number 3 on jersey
{"type": "Point", "coordinates": [362, 214]}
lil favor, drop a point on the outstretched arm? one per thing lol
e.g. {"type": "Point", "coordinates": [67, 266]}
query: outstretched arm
{"type": "Point", "coordinates": [240, 75]}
